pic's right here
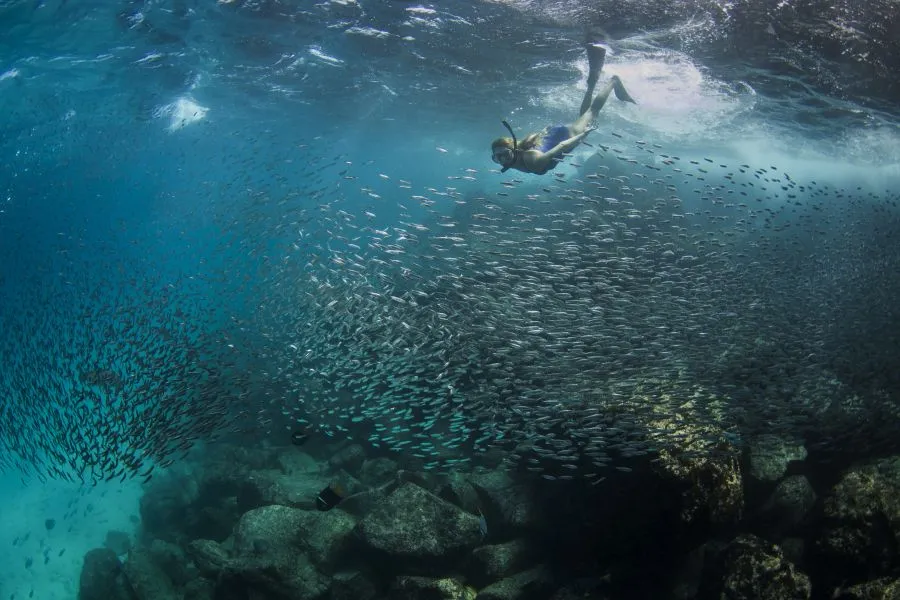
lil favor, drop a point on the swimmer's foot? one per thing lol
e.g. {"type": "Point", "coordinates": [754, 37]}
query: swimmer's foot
{"type": "Point", "coordinates": [596, 57]}
{"type": "Point", "coordinates": [621, 93]}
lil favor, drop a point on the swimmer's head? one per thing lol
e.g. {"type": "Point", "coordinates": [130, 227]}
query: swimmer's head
{"type": "Point", "coordinates": [503, 151]}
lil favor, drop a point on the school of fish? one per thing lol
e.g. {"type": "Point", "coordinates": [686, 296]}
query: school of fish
{"type": "Point", "coordinates": [638, 302]}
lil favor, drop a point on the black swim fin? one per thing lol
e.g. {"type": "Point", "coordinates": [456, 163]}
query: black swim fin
{"type": "Point", "coordinates": [596, 57]}
{"type": "Point", "coordinates": [621, 93]}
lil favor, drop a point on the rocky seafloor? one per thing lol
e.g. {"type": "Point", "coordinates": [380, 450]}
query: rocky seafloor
{"type": "Point", "coordinates": [242, 524]}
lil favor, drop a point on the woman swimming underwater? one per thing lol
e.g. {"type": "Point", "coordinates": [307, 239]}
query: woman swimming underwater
{"type": "Point", "coordinates": [540, 152]}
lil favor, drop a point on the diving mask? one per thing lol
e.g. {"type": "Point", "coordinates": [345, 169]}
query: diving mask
{"type": "Point", "coordinates": [503, 156]}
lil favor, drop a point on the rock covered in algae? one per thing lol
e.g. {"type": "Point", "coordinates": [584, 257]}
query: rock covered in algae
{"type": "Point", "coordinates": [415, 525]}
{"type": "Point", "coordinates": [749, 568]}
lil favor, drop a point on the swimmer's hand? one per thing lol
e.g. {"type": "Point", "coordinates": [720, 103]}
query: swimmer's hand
{"type": "Point", "coordinates": [584, 133]}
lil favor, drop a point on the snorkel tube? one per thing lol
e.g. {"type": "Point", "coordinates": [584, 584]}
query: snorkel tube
{"type": "Point", "coordinates": [515, 145]}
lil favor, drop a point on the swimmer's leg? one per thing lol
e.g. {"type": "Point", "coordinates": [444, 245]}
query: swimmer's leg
{"type": "Point", "coordinates": [621, 93]}
{"type": "Point", "coordinates": [596, 57]}
{"type": "Point", "coordinates": [594, 107]}
{"type": "Point", "coordinates": [613, 85]}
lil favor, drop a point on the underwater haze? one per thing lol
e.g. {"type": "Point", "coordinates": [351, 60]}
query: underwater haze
{"type": "Point", "coordinates": [257, 224]}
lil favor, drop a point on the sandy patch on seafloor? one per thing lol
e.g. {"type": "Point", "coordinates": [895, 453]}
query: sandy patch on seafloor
{"type": "Point", "coordinates": [24, 512]}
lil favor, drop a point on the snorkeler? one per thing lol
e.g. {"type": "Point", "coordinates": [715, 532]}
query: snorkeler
{"type": "Point", "coordinates": [542, 151]}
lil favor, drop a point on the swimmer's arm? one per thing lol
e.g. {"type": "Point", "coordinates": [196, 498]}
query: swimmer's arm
{"type": "Point", "coordinates": [540, 161]}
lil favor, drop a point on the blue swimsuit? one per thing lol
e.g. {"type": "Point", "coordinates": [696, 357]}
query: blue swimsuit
{"type": "Point", "coordinates": [553, 135]}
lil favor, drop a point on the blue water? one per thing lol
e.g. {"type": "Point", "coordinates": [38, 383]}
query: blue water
{"type": "Point", "coordinates": [147, 148]}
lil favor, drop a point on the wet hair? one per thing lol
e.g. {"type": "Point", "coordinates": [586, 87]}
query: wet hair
{"type": "Point", "coordinates": [528, 143]}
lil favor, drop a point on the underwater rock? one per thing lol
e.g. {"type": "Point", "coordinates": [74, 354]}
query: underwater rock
{"type": "Point", "coordinates": [296, 491]}
{"type": "Point", "coordinates": [294, 461]}
{"type": "Point", "coordinates": [117, 541]}
{"type": "Point", "coordinates": [407, 587]}
{"type": "Point", "coordinates": [794, 549]}
{"type": "Point", "coordinates": [710, 486]}
{"type": "Point", "coordinates": [749, 568]}
{"type": "Point", "coordinates": [273, 576]}
{"type": "Point", "coordinates": [886, 588]}
{"type": "Point", "coordinates": [209, 557]}
{"type": "Point", "coordinates": [593, 588]}
{"type": "Point", "coordinates": [458, 490]}
{"type": "Point", "coordinates": [360, 504]}
{"type": "Point", "coordinates": [534, 584]}
{"type": "Point", "coordinates": [350, 459]}
{"type": "Point", "coordinates": [508, 506]}
{"type": "Point", "coordinates": [212, 521]}
{"type": "Point", "coordinates": [172, 560]}
{"type": "Point", "coordinates": [199, 589]}
{"type": "Point", "coordinates": [206, 504]}
{"type": "Point", "coordinates": [689, 573]}
{"type": "Point", "coordinates": [490, 563]}
{"type": "Point", "coordinates": [219, 481]}
{"type": "Point", "coordinates": [101, 577]}
{"type": "Point", "coordinates": [282, 531]}
{"type": "Point", "coordinates": [861, 523]}
{"type": "Point", "coordinates": [378, 471]}
{"type": "Point", "coordinates": [769, 456]}
{"type": "Point", "coordinates": [268, 530]}
{"type": "Point", "coordinates": [352, 585]}
{"type": "Point", "coordinates": [164, 504]}
{"type": "Point", "coordinates": [325, 537]}
{"type": "Point", "coordinates": [788, 506]}
{"type": "Point", "coordinates": [269, 558]}
{"type": "Point", "coordinates": [415, 528]}
{"type": "Point", "coordinates": [147, 579]}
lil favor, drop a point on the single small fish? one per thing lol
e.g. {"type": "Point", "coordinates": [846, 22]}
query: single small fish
{"type": "Point", "coordinates": [482, 524]}
{"type": "Point", "coordinates": [330, 496]}
{"type": "Point", "coordinates": [300, 436]}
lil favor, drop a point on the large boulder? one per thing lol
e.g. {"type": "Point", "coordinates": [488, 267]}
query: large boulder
{"type": "Point", "coordinates": [164, 506]}
{"type": "Point", "coordinates": [709, 485]}
{"type": "Point", "coordinates": [278, 552]}
{"type": "Point", "coordinates": [788, 506]}
{"type": "Point", "coordinates": [353, 585]}
{"type": "Point", "coordinates": [378, 471]}
{"type": "Point", "coordinates": [297, 491]}
{"type": "Point", "coordinates": [534, 584]}
{"type": "Point", "coordinates": [509, 507]}
{"type": "Point", "coordinates": [199, 589]}
{"type": "Point", "coordinates": [458, 489]}
{"type": "Point", "coordinates": [173, 562]}
{"type": "Point", "coordinates": [413, 527]}
{"type": "Point", "coordinates": [350, 459]}
{"type": "Point", "coordinates": [277, 532]}
{"type": "Point", "coordinates": [209, 557]}
{"type": "Point", "coordinates": [408, 587]}
{"type": "Point", "coordinates": [886, 588]}
{"type": "Point", "coordinates": [147, 579]}
{"type": "Point", "coordinates": [749, 568]}
{"type": "Point", "coordinates": [273, 576]}
{"type": "Point", "coordinates": [857, 540]}
{"type": "Point", "coordinates": [768, 457]}
{"type": "Point", "coordinates": [487, 564]}
{"type": "Point", "coordinates": [102, 577]}
{"type": "Point", "coordinates": [207, 501]}
{"type": "Point", "coordinates": [293, 461]}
